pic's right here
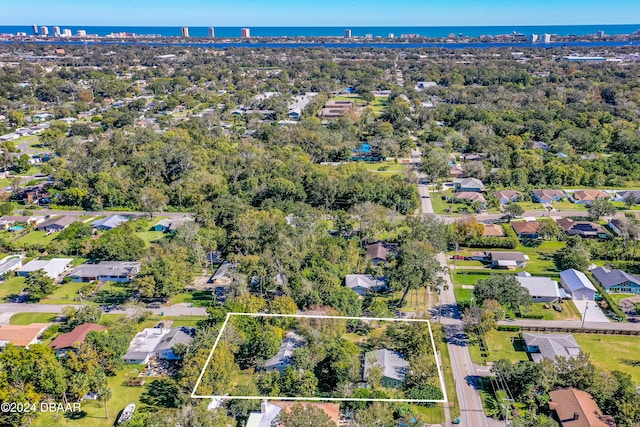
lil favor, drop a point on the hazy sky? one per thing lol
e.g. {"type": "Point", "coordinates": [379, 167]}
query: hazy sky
{"type": "Point", "coordinates": [318, 12]}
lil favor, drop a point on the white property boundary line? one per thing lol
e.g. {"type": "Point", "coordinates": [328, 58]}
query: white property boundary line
{"type": "Point", "coordinates": [323, 399]}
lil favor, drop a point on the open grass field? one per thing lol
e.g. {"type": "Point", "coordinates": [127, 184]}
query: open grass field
{"type": "Point", "coordinates": [197, 298]}
{"type": "Point", "coordinates": [613, 352]}
{"type": "Point", "coordinates": [151, 236]}
{"type": "Point", "coordinates": [29, 318]}
{"type": "Point", "coordinates": [388, 166]}
{"type": "Point", "coordinates": [93, 412]}
{"type": "Point", "coordinates": [500, 346]}
{"type": "Point", "coordinates": [569, 311]}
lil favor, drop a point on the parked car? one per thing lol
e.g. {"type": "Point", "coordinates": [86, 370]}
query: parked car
{"type": "Point", "coordinates": [154, 305]}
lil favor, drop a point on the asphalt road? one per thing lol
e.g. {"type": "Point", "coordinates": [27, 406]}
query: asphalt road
{"type": "Point", "coordinates": [599, 326]}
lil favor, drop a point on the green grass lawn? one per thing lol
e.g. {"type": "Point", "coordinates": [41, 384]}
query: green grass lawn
{"type": "Point", "coordinates": [386, 166]}
{"type": "Point", "coordinates": [613, 352]}
{"type": "Point", "coordinates": [65, 294]}
{"type": "Point", "coordinates": [36, 237]}
{"type": "Point", "coordinates": [29, 318]}
{"type": "Point", "coordinates": [11, 286]}
{"type": "Point", "coordinates": [197, 298]}
{"type": "Point", "coordinates": [500, 346]}
{"type": "Point", "coordinates": [569, 311]}
{"type": "Point", "coordinates": [151, 236]}
{"type": "Point", "coordinates": [448, 375]}
{"type": "Point", "coordinates": [541, 258]}
{"type": "Point", "coordinates": [93, 412]}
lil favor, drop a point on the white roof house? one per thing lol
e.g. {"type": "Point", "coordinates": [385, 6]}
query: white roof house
{"type": "Point", "coordinates": [143, 345]}
{"type": "Point", "coordinates": [550, 346]}
{"type": "Point", "coordinates": [394, 366]}
{"type": "Point", "coordinates": [542, 289]}
{"type": "Point", "coordinates": [362, 284]}
{"type": "Point", "coordinates": [10, 263]}
{"type": "Point", "coordinates": [280, 361]}
{"type": "Point", "coordinates": [52, 267]}
{"type": "Point", "coordinates": [577, 285]}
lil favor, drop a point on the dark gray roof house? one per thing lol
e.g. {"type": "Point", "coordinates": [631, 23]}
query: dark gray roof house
{"type": "Point", "coordinates": [617, 281]}
{"type": "Point", "coordinates": [393, 364]}
{"type": "Point", "coordinates": [550, 346]}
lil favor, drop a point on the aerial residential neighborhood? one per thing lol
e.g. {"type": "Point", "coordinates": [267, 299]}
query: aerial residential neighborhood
{"type": "Point", "coordinates": [288, 231]}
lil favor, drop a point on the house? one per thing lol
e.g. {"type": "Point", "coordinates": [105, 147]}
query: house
{"type": "Point", "coordinates": [541, 289]}
{"type": "Point", "coordinates": [182, 335]}
{"type": "Point", "coordinates": [10, 263]}
{"type": "Point", "coordinates": [616, 225]}
{"type": "Point", "coordinates": [336, 108]}
{"type": "Point", "coordinates": [393, 364]}
{"type": "Point", "coordinates": [493, 230]}
{"type": "Point", "coordinates": [222, 276]}
{"type": "Point", "coordinates": [541, 145]}
{"type": "Point", "coordinates": [470, 197]}
{"type": "Point", "coordinates": [577, 408]}
{"type": "Point", "coordinates": [585, 197]}
{"type": "Point", "coordinates": [468, 184]}
{"type": "Point", "coordinates": [550, 346]}
{"type": "Point", "coordinates": [171, 225]}
{"type": "Point", "coordinates": [52, 267]}
{"type": "Point", "coordinates": [617, 281]}
{"type": "Point", "coordinates": [584, 229]}
{"type": "Point", "coordinates": [548, 196]}
{"type": "Point", "coordinates": [507, 196]}
{"type": "Point", "coordinates": [526, 229]}
{"type": "Point", "coordinates": [67, 342]}
{"type": "Point", "coordinates": [106, 271]}
{"type": "Point", "coordinates": [22, 335]}
{"type": "Point", "coordinates": [363, 284]}
{"type": "Point", "coordinates": [9, 220]}
{"type": "Point", "coordinates": [270, 412]}
{"type": "Point", "coordinates": [507, 260]}
{"type": "Point", "coordinates": [379, 251]}
{"type": "Point", "coordinates": [107, 223]}
{"type": "Point", "coordinates": [623, 196]}
{"type": "Point", "coordinates": [577, 285]}
{"type": "Point", "coordinates": [57, 224]}
{"type": "Point", "coordinates": [457, 172]}
{"type": "Point", "coordinates": [282, 359]}
{"type": "Point", "coordinates": [153, 343]}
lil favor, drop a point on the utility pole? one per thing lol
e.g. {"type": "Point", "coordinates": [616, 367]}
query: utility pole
{"type": "Point", "coordinates": [506, 412]}
{"type": "Point", "coordinates": [584, 315]}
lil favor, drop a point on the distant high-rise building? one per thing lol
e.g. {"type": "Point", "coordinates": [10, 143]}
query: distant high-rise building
{"type": "Point", "coordinates": [66, 33]}
{"type": "Point", "coordinates": [82, 33]}
{"type": "Point", "coordinates": [391, 35]}
{"type": "Point", "coordinates": [532, 38]}
{"type": "Point", "coordinates": [601, 34]}
{"type": "Point", "coordinates": [35, 30]}
{"type": "Point", "coordinates": [245, 33]}
{"type": "Point", "coordinates": [56, 31]}
{"type": "Point", "coordinates": [347, 34]}
{"type": "Point", "coordinates": [368, 36]}
{"type": "Point", "coordinates": [44, 31]}
{"type": "Point", "coordinates": [546, 38]}
{"type": "Point", "coordinates": [212, 32]}
{"type": "Point", "coordinates": [185, 32]}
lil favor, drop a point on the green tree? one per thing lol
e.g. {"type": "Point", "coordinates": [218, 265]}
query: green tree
{"type": "Point", "coordinates": [119, 244]}
{"type": "Point", "coordinates": [513, 210]}
{"type": "Point", "coordinates": [503, 288]}
{"type": "Point", "coordinates": [415, 267]}
{"type": "Point", "coordinates": [39, 285]}
{"type": "Point", "coordinates": [165, 271]}
{"type": "Point", "coordinates": [305, 416]}
{"type": "Point", "coordinates": [574, 255]}
{"type": "Point", "coordinates": [152, 200]}
{"type": "Point", "coordinates": [377, 414]}
{"type": "Point", "coordinates": [7, 208]}
{"type": "Point", "coordinates": [601, 207]}
{"type": "Point", "coordinates": [435, 164]}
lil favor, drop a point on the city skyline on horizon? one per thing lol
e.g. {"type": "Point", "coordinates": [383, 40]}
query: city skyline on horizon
{"type": "Point", "coordinates": [331, 13]}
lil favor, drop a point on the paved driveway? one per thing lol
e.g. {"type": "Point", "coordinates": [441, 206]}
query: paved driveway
{"type": "Point", "coordinates": [594, 314]}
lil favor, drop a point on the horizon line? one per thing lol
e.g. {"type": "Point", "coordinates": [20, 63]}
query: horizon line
{"type": "Point", "coordinates": [326, 26]}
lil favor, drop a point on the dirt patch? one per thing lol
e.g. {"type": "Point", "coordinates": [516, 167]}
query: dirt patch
{"type": "Point", "coordinates": [628, 305]}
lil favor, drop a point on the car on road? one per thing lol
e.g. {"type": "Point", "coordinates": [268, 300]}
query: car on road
{"type": "Point", "coordinates": [154, 305]}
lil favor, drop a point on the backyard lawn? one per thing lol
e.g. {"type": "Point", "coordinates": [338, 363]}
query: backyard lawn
{"type": "Point", "coordinates": [36, 237]}
{"type": "Point", "coordinates": [65, 294]}
{"type": "Point", "coordinates": [93, 412]}
{"type": "Point", "coordinates": [613, 352]}
{"type": "Point", "coordinates": [150, 236]}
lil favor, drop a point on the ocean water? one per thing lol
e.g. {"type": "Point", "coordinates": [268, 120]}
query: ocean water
{"type": "Point", "coordinates": [232, 32]}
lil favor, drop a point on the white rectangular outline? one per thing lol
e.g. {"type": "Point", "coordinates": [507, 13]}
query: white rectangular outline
{"type": "Point", "coordinates": [322, 399]}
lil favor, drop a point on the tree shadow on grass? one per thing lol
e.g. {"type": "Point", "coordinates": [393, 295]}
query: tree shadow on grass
{"type": "Point", "coordinates": [631, 362]}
